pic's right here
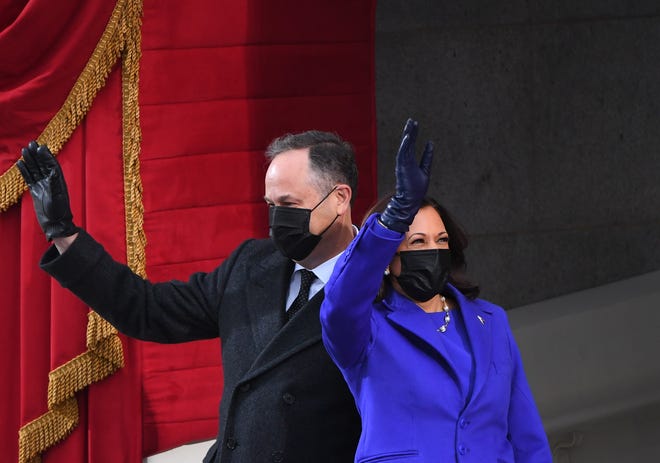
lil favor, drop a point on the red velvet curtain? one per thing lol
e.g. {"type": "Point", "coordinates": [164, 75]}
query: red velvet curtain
{"type": "Point", "coordinates": [218, 80]}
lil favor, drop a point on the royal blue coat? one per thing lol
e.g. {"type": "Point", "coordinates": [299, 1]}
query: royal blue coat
{"type": "Point", "coordinates": [407, 390]}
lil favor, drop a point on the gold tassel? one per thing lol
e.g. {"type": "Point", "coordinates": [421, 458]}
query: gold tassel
{"type": "Point", "coordinates": [122, 37]}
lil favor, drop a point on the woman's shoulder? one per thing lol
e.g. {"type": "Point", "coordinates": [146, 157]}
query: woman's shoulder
{"type": "Point", "coordinates": [491, 306]}
{"type": "Point", "coordinates": [483, 305]}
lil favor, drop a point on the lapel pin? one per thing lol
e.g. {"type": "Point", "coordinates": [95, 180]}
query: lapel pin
{"type": "Point", "coordinates": [481, 320]}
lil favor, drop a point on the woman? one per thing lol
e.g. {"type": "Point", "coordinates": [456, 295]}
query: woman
{"type": "Point", "coordinates": [435, 372]}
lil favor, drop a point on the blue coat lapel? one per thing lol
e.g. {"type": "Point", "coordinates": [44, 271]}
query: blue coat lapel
{"type": "Point", "coordinates": [478, 323]}
{"type": "Point", "coordinates": [479, 326]}
{"type": "Point", "coordinates": [406, 315]}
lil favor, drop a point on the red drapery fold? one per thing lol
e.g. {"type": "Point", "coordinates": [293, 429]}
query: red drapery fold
{"type": "Point", "coordinates": [218, 81]}
{"type": "Point", "coordinates": [43, 49]}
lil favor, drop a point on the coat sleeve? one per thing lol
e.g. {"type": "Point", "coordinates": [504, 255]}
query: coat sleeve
{"type": "Point", "coordinates": [166, 312]}
{"type": "Point", "coordinates": [526, 432]}
{"type": "Point", "coordinates": [350, 292]}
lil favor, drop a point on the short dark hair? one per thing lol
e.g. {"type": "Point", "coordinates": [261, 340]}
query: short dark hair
{"type": "Point", "coordinates": [331, 159]}
{"type": "Point", "coordinates": [458, 241]}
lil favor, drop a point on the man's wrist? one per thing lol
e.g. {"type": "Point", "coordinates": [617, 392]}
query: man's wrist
{"type": "Point", "coordinates": [62, 243]}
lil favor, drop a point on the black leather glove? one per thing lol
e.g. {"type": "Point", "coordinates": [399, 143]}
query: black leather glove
{"type": "Point", "coordinates": [43, 175]}
{"type": "Point", "coordinates": [412, 181]}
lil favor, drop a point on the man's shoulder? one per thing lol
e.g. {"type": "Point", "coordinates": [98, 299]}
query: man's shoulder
{"type": "Point", "coordinates": [258, 250]}
{"type": "Point", "coordinates": [256, 246]}
{"type": "Point", "coordinates": [254, 254]}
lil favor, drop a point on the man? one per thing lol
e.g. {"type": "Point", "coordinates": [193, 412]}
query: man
{"type": "Point", "coordinates": [283, 398]}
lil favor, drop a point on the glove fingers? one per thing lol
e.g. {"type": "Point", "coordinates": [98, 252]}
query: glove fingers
{"type": "Point", "coordinates": [427, 158]}
{"type": "Point", "coordinates": [410, 127]}
{"type": "Point", "coordinates": [30, 162]}
{"type": "Point", "coordinates": [406, 153]}
{"type": "Point", "coordinates": [404, 150]}
{"type": "Point", "coordinates": [25, 173]}
{"type": "Point", "coordinates": [32, 147]}
{"type": "Point", "coordinates": [46, 161]}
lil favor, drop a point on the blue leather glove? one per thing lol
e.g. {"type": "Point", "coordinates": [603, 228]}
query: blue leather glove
{"type": "Point", "coordinates": [43, 175]}
{"type": "Point", "coordinates": [412, 181]}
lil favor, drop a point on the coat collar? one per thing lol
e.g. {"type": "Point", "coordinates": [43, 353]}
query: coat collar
{"type": "Point", "coordinates": [276, 340]}
{"type": "Point", "coordinates": [478, 320]}
{"type": "Point", "coordinates": [268, 281]}
{"type": "Point", "coordinates": [478, 324]}
{"type": "Point", "coordinates": [303, 330]}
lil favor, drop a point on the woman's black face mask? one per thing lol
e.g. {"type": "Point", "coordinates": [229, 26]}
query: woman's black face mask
{"type": "Point", "coordinates": [289, 230]}
{"type": "Point", "coordinates": [424, 273]}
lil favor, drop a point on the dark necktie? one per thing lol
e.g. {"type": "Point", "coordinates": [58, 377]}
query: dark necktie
{"type": "Point", "coordinates": [306, 278]}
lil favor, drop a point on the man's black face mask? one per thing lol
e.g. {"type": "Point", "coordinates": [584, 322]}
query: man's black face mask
{"type": "Point", "coordinates": [424, 273]}
{"type": "Point", "coordinates": [289, 230]}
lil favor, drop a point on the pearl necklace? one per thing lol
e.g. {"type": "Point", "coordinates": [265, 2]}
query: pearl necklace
{"type": "Point", "coordinates": [445, 309]}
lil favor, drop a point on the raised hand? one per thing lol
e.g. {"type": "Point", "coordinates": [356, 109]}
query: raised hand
{"type": "Point", "coordinates": [412, 181]}
{"type": "Point", "coordinates": [44, 178]}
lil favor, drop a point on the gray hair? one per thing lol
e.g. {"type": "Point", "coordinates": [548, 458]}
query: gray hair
{"type": "Point", "coordinates": [331, 159]}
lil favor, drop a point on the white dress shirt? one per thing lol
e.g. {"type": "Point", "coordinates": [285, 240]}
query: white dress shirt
{"type": "Point", "coordinates": [322, 273]}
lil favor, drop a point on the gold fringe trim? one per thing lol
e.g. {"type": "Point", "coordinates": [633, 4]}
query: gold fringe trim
{"type": "Point", "coordinates": [132, 137]}
{"type": "Point", "coordinates": [12, 187]}
{"type": "Point", "coordinates": [80, 98]}
{"type": "Point", "coordinates": [104, 357]}
{"type": "Point", "coordinates": [40, 433]}
{"type": "Point", "coordinates": [122, 37]}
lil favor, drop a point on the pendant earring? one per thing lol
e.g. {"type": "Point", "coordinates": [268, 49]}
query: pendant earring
{"type": "Point", "coordinates": [387, 271]}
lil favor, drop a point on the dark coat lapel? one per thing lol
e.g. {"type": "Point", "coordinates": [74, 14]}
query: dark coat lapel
{"type": "Point", "coordinates": [269, 283]}
{"type": "Point", "coordinates": [303, 330]}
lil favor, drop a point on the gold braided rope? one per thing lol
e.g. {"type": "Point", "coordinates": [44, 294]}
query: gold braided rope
{"type": "Point", "coordinates": [131, 138]}
{"type": "Point", "coordinates": [104, 355]}
{"type": "Point", "coordinates": [103, 358]}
